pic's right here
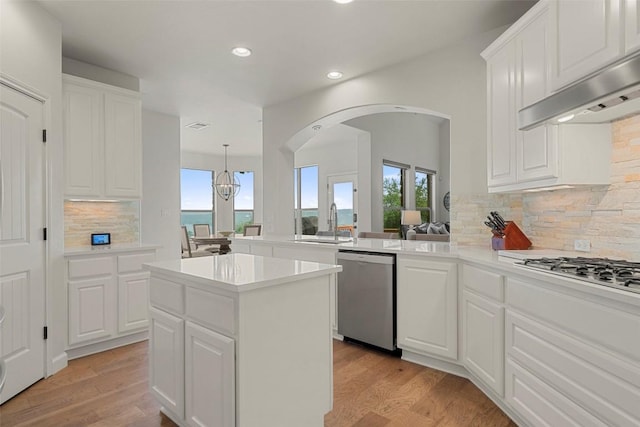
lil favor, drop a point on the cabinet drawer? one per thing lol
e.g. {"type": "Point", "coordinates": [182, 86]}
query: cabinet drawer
{"type": "Point", "coordinates": [483, 282]}
{"type": "Point", "coordinates": [211, 310]}
{"type": "Point", "coordinates": [167, 295]}
{"type": "Point", "coordinates": [540, 404]}
{"type": "Point", "coordinates": [592, 321]}
{"type": "Point", "coordinates": [133, 262]}
{"type": "Point", "coordinates": [90, 267]}
{"type": "Point", "coordinates": [593, 378]}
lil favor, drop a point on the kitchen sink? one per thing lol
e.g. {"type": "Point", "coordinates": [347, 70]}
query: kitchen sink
{"type": "Point", "coordinates": [332, 241]}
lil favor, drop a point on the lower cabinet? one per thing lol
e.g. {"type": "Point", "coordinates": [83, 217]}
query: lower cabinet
{"type": "Point", "coordinates": [92, 309]}
{"type": "Point", "coordinates": [209, 377]}
{"type": "Point", "coordinates": [107, 296]}
{"type": "Point", "coordinates": [571, 359]}
{"type": "Point", "coordinates": [166, 360]}
{"type": "Point", "coordinates": [482, 329]}
{"type": "Point", "coordinates": [427, 302]}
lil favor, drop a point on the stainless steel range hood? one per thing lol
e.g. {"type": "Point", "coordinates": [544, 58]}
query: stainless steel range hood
{"type": "Point", "coordinates": [609, 94]}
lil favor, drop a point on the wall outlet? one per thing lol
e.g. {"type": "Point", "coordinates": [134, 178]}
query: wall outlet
{"type": "Point", "coordinates": [582, 245]}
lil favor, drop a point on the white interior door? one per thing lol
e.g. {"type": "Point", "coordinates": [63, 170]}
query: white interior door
{"type": "Point", "coordinates": [342, 190]}
{"type": "Point", "coordinates": [22, 246]}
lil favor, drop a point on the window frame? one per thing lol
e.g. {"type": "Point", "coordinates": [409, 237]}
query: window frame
{"type": "Point", "coordinates": [213, 200]}
{"type": "Point", "coordinates": [404, 168]}
{"type": "Point", "coordinates": [253, 201]}
{"type": "Point", "coordinates": [431, 174]}
{"type": "Point", "coordinates": [298, 210]}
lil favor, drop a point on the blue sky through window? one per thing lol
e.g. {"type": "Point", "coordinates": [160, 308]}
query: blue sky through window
{"type": "Point", "coordinates": [195, 190]}
{"type": "Point", "coordinates": [244, 199]}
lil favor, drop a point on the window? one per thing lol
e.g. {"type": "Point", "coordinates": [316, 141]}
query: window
{"type": "Point", "coordinates": [306, 200]}
{"type": "Point", "coordinates": [197, 198]}
{"type": "Point", "coordinates": [393, 196]}
{"type": "Point", "coordinates": [424, 193]}
{"type": "Point", "coordinates": [243, 201]}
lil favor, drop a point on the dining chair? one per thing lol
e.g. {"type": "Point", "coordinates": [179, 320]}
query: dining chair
{"type": "Point", "coordinates": [252, 230]}
{"type": "Point", "coordinates": [201, 230]}
{"type": "Point", "coordinates": [187, 252]}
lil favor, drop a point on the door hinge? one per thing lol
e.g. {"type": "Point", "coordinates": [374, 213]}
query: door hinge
{"type": "Point", "coordinates": [45, 332]}
{"type": "Point", "coordinates": [44, 233]}
{"type": "Point", "coordinates": [44, 135]}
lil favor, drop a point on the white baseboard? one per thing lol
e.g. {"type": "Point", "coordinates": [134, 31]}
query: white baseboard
{"type": "Point", "coordinates": [74, 353]}
{"type": "Point", "coordinates": [431, 362]}
{"type": "Point", "coordinates": [58, 363]}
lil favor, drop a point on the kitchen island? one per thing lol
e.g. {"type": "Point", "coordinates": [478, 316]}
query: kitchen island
{"type": "Point", "coordinates": [241, 340]}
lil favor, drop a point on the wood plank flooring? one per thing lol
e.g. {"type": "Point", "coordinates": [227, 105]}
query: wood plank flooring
{"type": "Point", "coordinates": [371, 389]}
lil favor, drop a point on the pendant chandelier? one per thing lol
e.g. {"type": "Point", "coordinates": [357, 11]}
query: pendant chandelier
{"type": "Point", "coordinates": [226, 184]}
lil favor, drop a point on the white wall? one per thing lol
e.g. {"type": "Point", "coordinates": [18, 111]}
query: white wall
{"type": "Point", "coordinates": [160, 208]}
{"type": "Point", "coordinates": [224, 209]}
{"type": "Point", "coordinates": [451, 81]}
{"type": "Point", "coordinates": [31, 55]}
{"type": "Point", "coordinates": [412, 139]}
{"type": "Point", "coordinates": [443, 182]}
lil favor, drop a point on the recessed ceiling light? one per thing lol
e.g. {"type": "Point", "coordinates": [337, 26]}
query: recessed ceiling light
{"type": "Point", "coordinates": [343, 1]}
{"type": "Point", "coordinates": [334, 75]}
{"type": "Point", "coordinates": [241, 51]}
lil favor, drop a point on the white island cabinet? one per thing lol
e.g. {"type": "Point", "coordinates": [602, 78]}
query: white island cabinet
{"type": "Point", "coordinates": [241, 340]}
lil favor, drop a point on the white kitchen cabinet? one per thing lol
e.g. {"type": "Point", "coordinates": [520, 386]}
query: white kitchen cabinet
{"type": "Point", "coordinates": [483, 326]}
{"type": "Point", "coordinates": [632, 26]}
{"type": "Point", "coordinates": [92, 309]}
{"type": "Point", "coordinates": [427, 301]}
{"type": "Point", "coordinates": [123, 145]}
{"type": "Point", "coordinates": [166, 360]}
{"type": "Point", "coordinates": [501, 149]}
{"type": "Point", "coordinates": [585, 36]}
{"type": "Point", "coordinates": [107, 297]}
{"type": "Point", "coordinates": [133, 301]}
{"type": "Point", "coordinates": [245, 354]}
{"type": "Point", "coordinates": [566, 351]}
{"type": "Point", "coordinates": [518, 74]}
{"type": "Point", "coordinates": [209, 377]}
{"type": "Point", "coordinates": [102, 140]}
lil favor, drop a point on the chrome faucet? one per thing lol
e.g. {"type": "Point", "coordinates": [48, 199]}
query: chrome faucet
{"type": "Point", "coordinates": [333, 220]}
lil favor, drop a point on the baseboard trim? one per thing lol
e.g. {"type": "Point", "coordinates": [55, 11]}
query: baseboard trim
{"type": "Point", "coordinates": [58, 363]}
{"type": "Point", "coordinates": [74, 353]}
{"type": "Point", "coordinates": [431, 362]}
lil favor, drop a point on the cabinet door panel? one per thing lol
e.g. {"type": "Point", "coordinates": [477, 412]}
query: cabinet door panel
{"type": "Point", "coordinates": [133, 301]}
{"type": "Point", "coordinates": [483, 339]}
{"type": "Point", "coordinates": [209, 377]}
{"type": "Point", "coordinates": [122, 146]}
{"type": "Point", "coordinates": [427, 307]}
{"type": "Point", "coordinates": [91, 309]}
{"type": "Point", "coordinates": [586, 37]}
{"type": "Point", "coordinates": [501, 155]}
{"type": "Point", "coordinates": [166, 360]}
{"type": "Point", "coordinates": [632, 26]}
{"type": "Point", "coordinates": [83, 141]}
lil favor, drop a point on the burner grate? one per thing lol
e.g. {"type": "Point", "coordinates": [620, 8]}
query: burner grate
{"type": "Point", "coordinates": [619, 274]}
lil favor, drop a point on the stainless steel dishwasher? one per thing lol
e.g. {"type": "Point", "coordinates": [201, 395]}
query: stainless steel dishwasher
{"type": "Point", "coordinates": [367, 298]}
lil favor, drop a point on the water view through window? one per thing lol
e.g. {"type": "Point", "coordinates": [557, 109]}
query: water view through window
{"type": "Point", "coordinates": [196, 198]}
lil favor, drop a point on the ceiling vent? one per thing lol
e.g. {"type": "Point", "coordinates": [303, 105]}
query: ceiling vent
{"type": "Point", "coordinates": [197, 125]}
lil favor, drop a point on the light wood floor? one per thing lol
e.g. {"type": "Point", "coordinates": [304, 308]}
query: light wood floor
{"type": "Point", "coordinates": [371, 389]}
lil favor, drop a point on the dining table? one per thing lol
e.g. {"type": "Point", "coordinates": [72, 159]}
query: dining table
{"type": "Point", "coordinates": [214, 239]}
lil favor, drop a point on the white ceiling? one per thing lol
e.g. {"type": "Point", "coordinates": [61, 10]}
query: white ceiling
{"type": "Point", "coordinates": [180, 50]}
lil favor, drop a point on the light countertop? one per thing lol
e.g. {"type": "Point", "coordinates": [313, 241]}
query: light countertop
{"type": "Point", "coordinates": [108, 249]}
{"type": "Point", "coordinates": [241, 272]}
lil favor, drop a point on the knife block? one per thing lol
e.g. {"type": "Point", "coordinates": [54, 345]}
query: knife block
{"type": "Point", "coordinates": [513, 239]}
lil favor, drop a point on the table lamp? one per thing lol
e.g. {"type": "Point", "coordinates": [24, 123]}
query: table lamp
{"type": "Point", "coordinates": [410, 218]}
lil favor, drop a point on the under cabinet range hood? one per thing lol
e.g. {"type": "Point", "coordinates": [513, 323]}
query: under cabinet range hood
{"type": "Point", "coordinates": [609, 94]}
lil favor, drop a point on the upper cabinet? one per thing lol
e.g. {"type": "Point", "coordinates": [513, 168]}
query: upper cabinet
{"type": "Point", "coordinates": [102, 140]}
{"type": "Point", "coordinates": [586, 37]}
{"type": "Point", "coordinates": [519, 71]}
{"type": "Point", "coordinates": [632, 26]}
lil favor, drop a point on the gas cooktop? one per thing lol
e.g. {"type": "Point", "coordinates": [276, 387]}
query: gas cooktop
{"type": "Point", "coordinates": [619, 274]}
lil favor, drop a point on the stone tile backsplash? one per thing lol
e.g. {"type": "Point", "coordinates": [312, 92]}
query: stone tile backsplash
{"type": "Point", "coordinates": [608, 216]}
{"type": "Point", "coordinates": [121, 219]}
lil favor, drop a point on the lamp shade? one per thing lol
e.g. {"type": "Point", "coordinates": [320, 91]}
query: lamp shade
{"type": "Point", "coordinates": [410, 218]}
